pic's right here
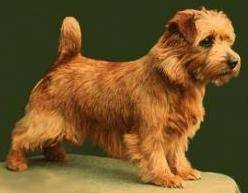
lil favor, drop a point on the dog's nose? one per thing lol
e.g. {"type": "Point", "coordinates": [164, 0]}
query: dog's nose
{"type": "Point", "coordinates": [232, 63]}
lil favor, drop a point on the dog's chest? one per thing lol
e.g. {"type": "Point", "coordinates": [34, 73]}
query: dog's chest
{"type": "Point", "coordinates": [185, 113]}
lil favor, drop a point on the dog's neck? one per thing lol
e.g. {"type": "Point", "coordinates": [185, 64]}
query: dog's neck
{"type": "Point", "coordinates": [146, 74]}
{"type": "Point", "coordinates": [154, 77]}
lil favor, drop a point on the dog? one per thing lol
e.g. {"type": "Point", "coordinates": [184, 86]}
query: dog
{"type": "Point", "coordinates": [144, 111]}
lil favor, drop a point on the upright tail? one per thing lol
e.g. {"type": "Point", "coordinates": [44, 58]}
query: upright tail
{"type": "Point", "coordinates": [70, 38]}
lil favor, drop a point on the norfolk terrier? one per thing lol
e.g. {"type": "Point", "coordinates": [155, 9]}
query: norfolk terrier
{"type": "Point", "coordinates": [144, 110]}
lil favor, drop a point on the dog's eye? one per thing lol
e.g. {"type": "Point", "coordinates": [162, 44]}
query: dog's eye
{"type": "Point", "coordinates": [207, 42]}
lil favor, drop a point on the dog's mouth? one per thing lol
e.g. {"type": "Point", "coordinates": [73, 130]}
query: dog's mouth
{"type": "Point", "coordinates": [221, 77]}
{"type": "Point", "coordinates": [221, 74]}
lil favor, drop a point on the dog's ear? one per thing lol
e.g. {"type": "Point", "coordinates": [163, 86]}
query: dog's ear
{"type": "Point", "coordinates": [184, 23]}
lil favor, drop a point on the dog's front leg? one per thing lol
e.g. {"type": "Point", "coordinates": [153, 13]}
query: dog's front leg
{"type": "Point", "coordinates": [178, 162]}
{"type": "Point", "coordinates": [147, 151]}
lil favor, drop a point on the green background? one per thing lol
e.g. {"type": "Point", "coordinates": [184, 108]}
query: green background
{"type": "Point", "coordinates": [122, 30]}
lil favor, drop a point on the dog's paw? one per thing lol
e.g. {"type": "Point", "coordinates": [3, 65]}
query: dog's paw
{"type": "Point", "coordinates": [170, 181]}
{"type": "Point", "coordinates": [17, 166]}
{"type": "Point", "coordinates": [190, 174]}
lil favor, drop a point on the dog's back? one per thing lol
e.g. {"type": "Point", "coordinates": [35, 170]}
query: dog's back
{"type": "Point", "coordinates": [79, 97]}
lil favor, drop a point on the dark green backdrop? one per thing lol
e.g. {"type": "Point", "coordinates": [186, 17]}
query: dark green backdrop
{"type": "Point", "coordinates": [122, 30]}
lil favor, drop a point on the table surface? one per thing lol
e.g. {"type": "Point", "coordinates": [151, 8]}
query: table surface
{"type": "Point", "coordinates": [91, 174]}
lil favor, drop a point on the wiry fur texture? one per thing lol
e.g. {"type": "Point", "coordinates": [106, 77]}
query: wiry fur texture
{"type": "Point", "coordinates": [143, 110]}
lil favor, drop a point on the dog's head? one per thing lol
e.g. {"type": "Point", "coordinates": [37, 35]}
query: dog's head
{"type": "Point", "coordinates": [197, 47]}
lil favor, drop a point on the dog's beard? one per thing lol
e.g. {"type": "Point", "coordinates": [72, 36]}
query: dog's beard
{"type": "Point", "coordinates": [216, 74]}
{"type": "Point", "coordinates": [224, 76]}
{"type": "Point", "coordinates": [221, 78]}
{"type": "Point", "coordinates": [217, 78]}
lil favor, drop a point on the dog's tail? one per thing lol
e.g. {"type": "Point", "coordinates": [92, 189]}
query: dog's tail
{"type": "Point", "coordinates": [70, 38]}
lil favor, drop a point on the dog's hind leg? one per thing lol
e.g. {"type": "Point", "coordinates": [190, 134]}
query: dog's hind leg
{"type": "Point", "coordinates": [55, 153]}
{"type": "Point", "coordinates": [34, 130]}
{"type": "Point", "coordinates": [16, 160]}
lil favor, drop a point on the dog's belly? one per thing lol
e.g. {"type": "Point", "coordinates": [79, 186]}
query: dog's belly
{"type": "Point", "coordinates": [108, 136]}
{"type": "Point", "coordinates": [106, 130]}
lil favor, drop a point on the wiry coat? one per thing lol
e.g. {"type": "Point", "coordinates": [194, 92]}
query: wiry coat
{"type": "Point", "coordinates": [143, 110]}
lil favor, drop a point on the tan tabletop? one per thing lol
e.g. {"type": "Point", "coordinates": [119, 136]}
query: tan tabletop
{"type": "Point", "coordinates": [90, 174]}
